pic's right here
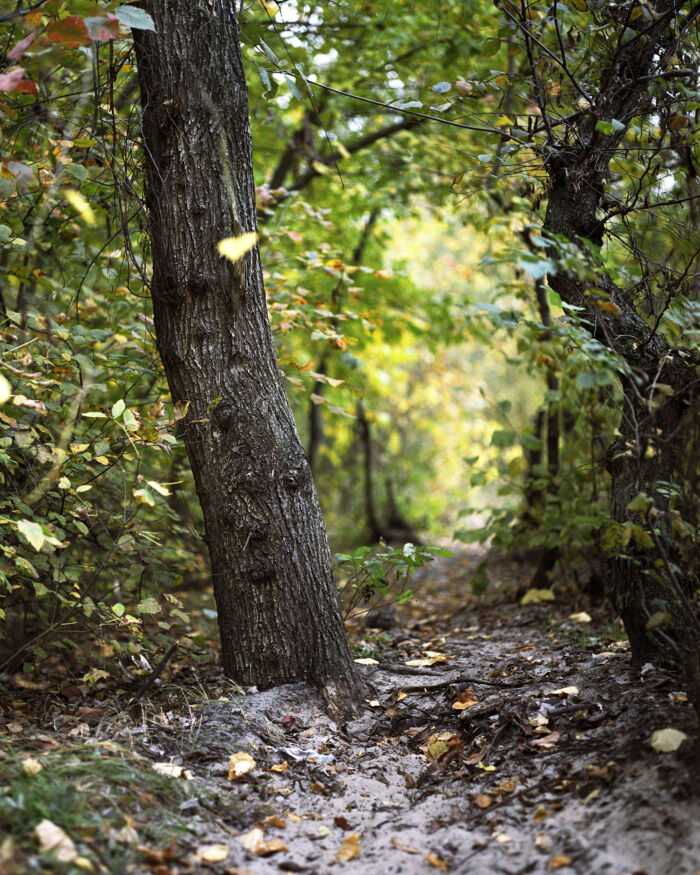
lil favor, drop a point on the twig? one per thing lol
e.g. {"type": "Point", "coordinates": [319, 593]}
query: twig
{"type": "Point", "coordinates": [153, 676]}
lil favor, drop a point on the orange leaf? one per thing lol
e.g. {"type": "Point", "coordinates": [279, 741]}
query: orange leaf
{"type": "Point", "coordinates": [71, 31]}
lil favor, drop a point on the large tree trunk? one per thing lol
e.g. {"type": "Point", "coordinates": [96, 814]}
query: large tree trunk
{"type": "Point", "coordinates": [648, 450]}
{"type": "Point", "coordinates": [278, 607]}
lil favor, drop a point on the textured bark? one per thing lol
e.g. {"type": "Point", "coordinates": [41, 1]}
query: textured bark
{"type": "Point", "coordinates": [278, 607]}
{"type": "Point", "coordinates": [578, 177]}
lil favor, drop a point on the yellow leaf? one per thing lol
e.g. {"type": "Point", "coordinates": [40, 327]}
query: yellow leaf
{"type": "Point", "coordinates": [667, 740]}
{"type": "Point", "coordinates": [503, 121]}
{"type": "Point", "coordinates": [349, 849]}
{"type": "Point", "coordinates": [213, 853]}
{"type": "Point", "coordinates": [560, 861]}
{"type": "Point", "coordinates": [275, 820]}
{"type": "Point", "coordinates": [234, 248]}
{"type": "Point", "coordinates": [254, 842]}
{"type": "Point", "coordinates": [5, 390]}
{"type": "Point", "coordinates": [581, 5]}
{"type": "Point", "coordinates": [564, 691]}
{"type": "Point", "coordinates": [78, 202]}
{"type": "Point", "coordinates": [534, 596]}
{"type": "Point", "coordinates": [280, 767]}
{"type": "Point", "coordinates": [32, 766]}
{"type": "Point", "coordinates": [240, 764]}
{"type": "Point", "coordinates": [435, 861]}
{"type": "Point", "coordinates": [581, 617]}
{"type": "Point", "coordinates": [53, 840]}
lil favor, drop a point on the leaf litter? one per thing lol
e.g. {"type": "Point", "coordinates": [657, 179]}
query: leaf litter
{"type": "Point", "coordinates": [497, 740]}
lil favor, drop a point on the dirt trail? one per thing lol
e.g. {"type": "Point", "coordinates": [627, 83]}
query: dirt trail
{"type": "Point", "coordinates": [546, 765]}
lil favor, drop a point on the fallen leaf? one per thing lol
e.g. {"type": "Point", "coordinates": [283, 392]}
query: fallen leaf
{"type": "Point", "coordinates": [580, 617]}
{"type": "Point", "coordinates": [467, 698]}
{"type": "Point", "coordinates": [541, 814]}
{"type": "Point", "coordinates": [212, 853]}
{"type": "Point", "coordinates": [559, 861]}
{"type": "Point", "coordinates": [168, 770]}
{"type": "Point", "coordinates": [53, 840]}
{"type": "Point", "coordinates": [543, 842]}
{"type": "Point", "coordinates": [406, 848]}
{"type": "Point", "coordinates": [547, 742]}
{"type": "Point", "coordinates": [538, 720]}
{"type": "Point", "coordinates": [503, 839]}
{"type": "Point", "coordinates": [400, 696]}
{"type": "Point", "coordinates": [535, 596]}
{"type": "Point", "coordinates": [432, 657]}
{"type": "Point", "coordinates": [367, 661]}
{"type": "Point", "coordinates": [483, 801]}
{"type": "Point", "coordinates": [254, 842]}
{"type": "Point", "coordinates": [341, 822]}
{"type": "Point", "coordinates": [564, 691]}
{"type": "Point", "coordinates": [32, 766]}
{"type": "Point", "coordinates": [349, 849]}
{"type": "Point", "coordinates": [434, 860]}
{"type": "Point", "coordinates": [280, 767]}
{"type": "Point", "coordinates": [438, 745]}
{"type": "Point", "coordinates": [274, 820]}
{"type": "Point", "coordinates": [667, 740]}
{"type": "Point", "coordinates": [240, 764]}
{"type": "Point", "coordinates": [506, 787]}
{"type": "Point", "coordinates": [374, 703]}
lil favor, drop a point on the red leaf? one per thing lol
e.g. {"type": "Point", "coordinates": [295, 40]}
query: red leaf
{"type": "Point", "coordinates": [70, 31]}
{"type": "Point", "coordinates": [26, 86]}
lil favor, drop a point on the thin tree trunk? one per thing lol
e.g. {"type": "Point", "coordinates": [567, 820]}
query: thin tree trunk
{"type": "Point", "coordinates": [279, 615]}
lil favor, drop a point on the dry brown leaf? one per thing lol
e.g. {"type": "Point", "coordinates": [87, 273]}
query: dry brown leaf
{"type": "Point", "coordinates": [548, 742]}
{"type": "Point", "coordinates": [483, 801]}
{"type": "Point", "coordinates": [434, 860]}
{"type": "Point", "coordinates": [341, 822]}
{"type": "Point", "coordinates": [349, 849]}
{"type": "Point", "coordinates": [541, 814]}
{"type": "Point", "coordinates": [406, 848]}
{"type": "Point", "coordinates": [274, 820]}
{"type": "Point", "coordinates": [559, 861]}
{"type": "Point", "coordinates": [240, 764]}
{"type": "Point", "coordinates": [280, 767]}
{"type": "Point", "coordinates": [53, 840]}
{"type": "Point", "coordinates": [506, 787]}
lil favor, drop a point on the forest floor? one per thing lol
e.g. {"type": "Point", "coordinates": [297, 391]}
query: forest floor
{"type": "Point", "coordinates": [496, 738]}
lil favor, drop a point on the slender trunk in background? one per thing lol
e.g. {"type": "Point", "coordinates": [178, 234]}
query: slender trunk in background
{"type": "Point", "coordinates": [279, 615]}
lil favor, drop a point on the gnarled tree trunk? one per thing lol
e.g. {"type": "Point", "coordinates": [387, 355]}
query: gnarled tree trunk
{"type": "Point", "coordinates": [278, 607]}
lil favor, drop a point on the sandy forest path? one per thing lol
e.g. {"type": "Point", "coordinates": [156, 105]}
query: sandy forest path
{"type": "Point", "coordinates": [497, 738]}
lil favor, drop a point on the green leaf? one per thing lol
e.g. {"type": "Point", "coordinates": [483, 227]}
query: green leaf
{"type": "Point", "coordinates": [640, 503]}
{"type": "Point", "coordinates": [134, 17]}
{"type": "Point", "coordinates": [148, 606]}
{"type": "Point", "coordinates": [33, 532]}
{"type": "Point", "coordinates": [441, 87]}
{"type": "Point", "coordinates": [118, 609]}
{"type": "Point", "coordinates": [503, 438]}
{"type": "Point", "coordinates": [606, 128]}
{"type": "Point", "coordinates": [118, 408]}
